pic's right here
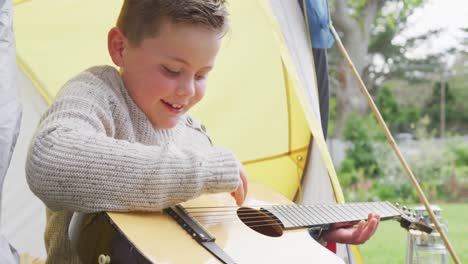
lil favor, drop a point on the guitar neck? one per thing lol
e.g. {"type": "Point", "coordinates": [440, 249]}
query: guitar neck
{"type": "Point", "coordinates": [304, 216]}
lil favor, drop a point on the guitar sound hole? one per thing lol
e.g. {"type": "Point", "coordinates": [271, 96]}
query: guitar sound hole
{"type": "Point", "coordinates": [260, 221]}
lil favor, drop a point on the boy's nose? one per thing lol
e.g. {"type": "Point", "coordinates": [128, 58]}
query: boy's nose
{"type": "Point", "coordinates": [186, 88]}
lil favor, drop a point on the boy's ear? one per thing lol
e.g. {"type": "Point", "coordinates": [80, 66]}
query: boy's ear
{"type": "Point", "coordinates": [116, 45]}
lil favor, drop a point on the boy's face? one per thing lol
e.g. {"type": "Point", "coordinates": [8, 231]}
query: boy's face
{"type": "Point", "coordinates": [166, 75]}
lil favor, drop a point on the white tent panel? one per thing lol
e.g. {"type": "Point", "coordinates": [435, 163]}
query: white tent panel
{"type": "Point", "coordinates": [317, 187]}
{"type": "Point", "coordinates": [23, 214]}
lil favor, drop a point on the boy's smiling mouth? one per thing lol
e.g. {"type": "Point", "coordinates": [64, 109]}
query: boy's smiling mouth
{"type": "Point", "coordinates": [176, 107]}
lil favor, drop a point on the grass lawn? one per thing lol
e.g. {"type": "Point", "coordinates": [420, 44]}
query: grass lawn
{"type": "Point", "coordinates": [388, 245]}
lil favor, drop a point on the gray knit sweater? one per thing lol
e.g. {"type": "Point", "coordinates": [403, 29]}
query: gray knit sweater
{"type": "Point", "coordinates": [95, 150]}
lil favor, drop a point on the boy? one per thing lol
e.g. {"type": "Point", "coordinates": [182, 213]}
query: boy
{"type": "Point", "coordinates": [122, 141]}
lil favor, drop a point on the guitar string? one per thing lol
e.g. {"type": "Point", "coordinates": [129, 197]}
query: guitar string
{"type": "Point", "coordinates": [271, 222]}
{"type": "Point", "coordinates": [294, 207]}
{"type": "Point", "coordinates": [256, 216]}
{"type": "Point", "coordinates": [252, 218]}
{"type": "Point", "coordinates": [259, 213]}
{"type": "Point", "coordinates": [247, 219]}
{"type": "Point", "coordinates": [220, 216]}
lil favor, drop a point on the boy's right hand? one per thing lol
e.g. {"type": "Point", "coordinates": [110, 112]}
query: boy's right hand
{"type": "Point", "coordinates": [241, 192]}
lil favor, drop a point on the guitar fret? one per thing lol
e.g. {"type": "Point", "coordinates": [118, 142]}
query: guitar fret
{"type": "Point", "coordinates": [319, 215]}
{"type": "Point", "coordinates": [307, 216]}
{"type": "Point", "coordinates": [312, 218]}
{"type": "Point", "coordinates": [390, 210]}
{"type": "Point", "coordinates": [327, 214]}
{"type": "Point", "coordinates": [341, 212]}
{"type": "Point", "coordinates": [354, 212]}
{"type": "Point", "coordinates": [288, 216]}
{"type": "Point", "coordinates": [344, 212]}
{"type": "Point", "coordinates": [294, 215]}
{"type": "Point", "coordinates": [359, 212]}
{"type": "Point", "coordinates": [367, 208]}
{"type": "Point", "coordinates": [362, 211]}
{"type": "Point", "coordinates": [285, 216]}
{"type": "Point", "coordinates": [334, 209]}
{"type": "Point", "coordinates": [275, 210]}
{"type": "Point", "coordinates": [376, 209]}
{"type": "Point", "coordinates": [312, 214]}
{"type": "Point", "coordinates": [297, 217]}
{"type": "Point", "coordinates": [373, 208]}
{"type": "Point", "coordinates": [338, 213]}
{"type": "Point", "coordinates": [301, 216]}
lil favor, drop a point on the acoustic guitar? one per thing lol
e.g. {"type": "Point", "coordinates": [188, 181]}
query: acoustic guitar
{"type": "Point", "coordinates": [211, 229]}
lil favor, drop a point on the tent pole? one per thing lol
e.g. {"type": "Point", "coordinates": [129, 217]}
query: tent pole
{"type": "Point", "coordinates": [394, 146]}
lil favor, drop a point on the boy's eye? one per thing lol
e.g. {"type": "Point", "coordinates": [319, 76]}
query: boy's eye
{"type": "Point", "coordinates": [170, 72]}
{"type": "Point", "coordinates": [200, 77]}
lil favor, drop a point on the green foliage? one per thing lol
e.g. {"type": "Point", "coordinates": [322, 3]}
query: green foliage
{"type": "Point", "coordinates": [423, 128]}
{"type": "Point", "coordinates": [461, 155]}
{"type": "Point", "coordinates": [441, 170]}
{"type": "Point", "coordinates": [360, 164]}
{"type": "Point", "coordinates": [399, 118]}
{"type": "Point", "coordinates": [389, 108]}
{"type": "Point", "coordinates": [370, 170]}
{"type": "Point", "coordinates": [361, 133]}
{"type": "Point", "coordinates": [433, 106]}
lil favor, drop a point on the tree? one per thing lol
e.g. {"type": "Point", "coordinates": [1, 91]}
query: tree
{"type": "Point", "coordinates": [360, 23]}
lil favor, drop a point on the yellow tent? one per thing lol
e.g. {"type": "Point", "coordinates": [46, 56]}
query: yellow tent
{"type": "Point", "coordinates": [261, 100]}
{"type": "Point", "coordinates": [251, 105]}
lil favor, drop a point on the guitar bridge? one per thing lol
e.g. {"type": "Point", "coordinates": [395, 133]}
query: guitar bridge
{"type": "Point", "coordinates": [195, 230]}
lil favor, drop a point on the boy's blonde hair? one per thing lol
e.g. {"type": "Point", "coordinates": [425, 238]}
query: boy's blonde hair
{"type": "Point", "coordinates": [140, 19]}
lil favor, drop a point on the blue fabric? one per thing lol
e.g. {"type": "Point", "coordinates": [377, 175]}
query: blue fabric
{"type": "Point", "coordinates": [318, 17]}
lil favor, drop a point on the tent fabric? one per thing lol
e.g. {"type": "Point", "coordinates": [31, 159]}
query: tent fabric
{"type": "Point", "coordinates": [23, 214]}
{"type": "Point", "coordinates": [321, 70]}
{"type": "Point", "coordinates": [318, 188]}
{"type": "Point", "coordinates": [318, 21]}
{"type": "Point", "coordinates": [296, 55]}
{"type": "Point", "coordinates": [10, 109]}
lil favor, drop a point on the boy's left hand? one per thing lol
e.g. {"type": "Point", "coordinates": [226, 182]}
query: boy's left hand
{"type": "Point", "coordinates": [346, 234]}
{"type": "Point", "coordinates": [241, 192]}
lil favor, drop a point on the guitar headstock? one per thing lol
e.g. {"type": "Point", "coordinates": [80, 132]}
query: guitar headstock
{"type": "Point", "coordinates": [409, 220]}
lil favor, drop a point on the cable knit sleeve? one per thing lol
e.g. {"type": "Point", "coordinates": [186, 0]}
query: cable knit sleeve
{"type": "Point", "coordinates": [74, 163]}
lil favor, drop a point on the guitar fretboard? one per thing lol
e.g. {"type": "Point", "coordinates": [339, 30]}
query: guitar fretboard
{"type": "Point", "coordinates": [300, 216]}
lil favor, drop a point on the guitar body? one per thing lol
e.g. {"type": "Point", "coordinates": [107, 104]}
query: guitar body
{"type": "Point", "coordinates": [158, 238]}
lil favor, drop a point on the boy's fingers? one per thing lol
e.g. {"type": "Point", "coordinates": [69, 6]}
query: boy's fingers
{"type": "Point", "coordinates": [369, 228]}
{"type": "Point", "coordinates": [240, 195]}
{"type": "Point", "coordinates": [373, 223]}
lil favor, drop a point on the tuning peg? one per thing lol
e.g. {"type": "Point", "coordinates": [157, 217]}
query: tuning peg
{"type": "Point", "coordinates": [405, 208]}
{"type": "Point", "coordinates": [397, 205]}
